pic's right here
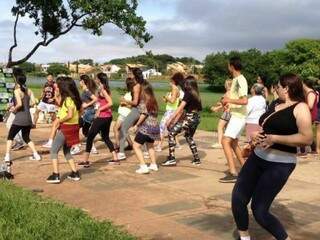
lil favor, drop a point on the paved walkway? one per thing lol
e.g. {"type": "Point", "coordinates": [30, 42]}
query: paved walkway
{"type": "Point", "coordinates": [183, 202]}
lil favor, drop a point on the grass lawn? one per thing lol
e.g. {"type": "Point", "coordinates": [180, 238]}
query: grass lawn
{"type": "Point", "coordinates": [26, 215]}
{"type": "Point", "coordinates": [209, 121]}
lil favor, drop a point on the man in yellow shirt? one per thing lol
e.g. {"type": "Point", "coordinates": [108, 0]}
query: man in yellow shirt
{"type": "Point", "coordinates": [237, 102]}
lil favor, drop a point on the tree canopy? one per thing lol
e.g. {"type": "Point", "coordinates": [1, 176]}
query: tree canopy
{"type": "Point", "coordinates": [54, 18]}
{"type": "Point", "coordinates": [300, 56]}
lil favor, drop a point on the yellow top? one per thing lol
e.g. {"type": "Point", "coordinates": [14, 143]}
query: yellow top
{"type": "Point", "coordinates": [63, 111]}
{"type": "Point", "coordinates": [239, 88]}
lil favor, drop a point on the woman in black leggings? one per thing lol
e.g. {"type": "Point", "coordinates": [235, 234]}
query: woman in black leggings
{"type": "Point", "coordinates": [268, 168]}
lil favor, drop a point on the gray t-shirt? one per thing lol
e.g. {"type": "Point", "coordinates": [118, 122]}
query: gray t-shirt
{"type": "Point", "coordinates": [86, 97]}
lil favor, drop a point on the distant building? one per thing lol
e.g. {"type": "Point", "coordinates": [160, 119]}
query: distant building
{"type": "Point", "coordinates": [177, 67]}
{"type": "Point", "coordinates": [109, 69]}
{"type": "Point", "coordinates": [81, 68]}
{"type": "Point", "coordinates": [151, 72]}
{"type": "Point", "coordinates": [44, 67]}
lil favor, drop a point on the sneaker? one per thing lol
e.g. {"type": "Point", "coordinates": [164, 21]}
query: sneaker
{"type": "Point", "coordinates": [153, 167]}
{"type": "Point", "coordinates": [84, 164]}
{"type": "Point", "coordinates": [196, 162]}
{"type": "Point", "coordinates": [146, 155]}
{"type": "Point", "coordinates": [128, 148]}
{"type": "Point", "coordinates": [75, 176]}
{"type": "Point", "coordinates": [47, 145]}
{"type": "Point", "coordinates": [54, 178]}
{"type": "Point", "coordinates": [229, 178]}
{"type": "Point", "coordinates": [121, 156]}
{"type": "Point", "coordinates": [94, 150]}
{"type": "Point", "coordinates": [216, 145]}
{"type": "Point", "coordinates": [17, 146]}
{"type": "Point", "coordinates": [169, 162]}
{"type": "Point", "coordinates": [143, 169]}
{"type": "Point", "coordinates": [6, 158]}
{"type": "Point", "coordinates": [75, 150]}
{"type": "Point", "coordinates": [35, 157]}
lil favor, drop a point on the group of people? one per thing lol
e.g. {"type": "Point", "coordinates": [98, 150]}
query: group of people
{"type": "Point", "coordinates": [274, 131]}
{"type": "Point", "coordinates": [91, 111]}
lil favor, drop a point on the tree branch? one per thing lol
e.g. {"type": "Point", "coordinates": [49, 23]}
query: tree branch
{"type": "Point", "coordinates": [14, 38]}
{"type": "Point", "coordinates": [45, 42]}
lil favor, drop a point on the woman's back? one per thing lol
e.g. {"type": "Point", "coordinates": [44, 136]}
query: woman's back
{"type": "Point", "coordinates": [23, 117]}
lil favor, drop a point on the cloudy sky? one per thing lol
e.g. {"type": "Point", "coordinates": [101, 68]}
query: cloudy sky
{"type": "Point", "coordinates": [180, 28]}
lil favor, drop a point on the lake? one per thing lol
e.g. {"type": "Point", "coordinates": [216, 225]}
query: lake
{"type": "Point", "coordinates": [38, 81]}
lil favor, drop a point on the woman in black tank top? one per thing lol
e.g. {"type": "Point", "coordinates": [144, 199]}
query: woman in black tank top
{"type": "Point", "coordinates": [285, 126]}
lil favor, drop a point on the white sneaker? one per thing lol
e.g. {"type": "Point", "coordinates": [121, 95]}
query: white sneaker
{"type": "Point", "coordinates": [35, 157]}
{"type": "Point", "coordinates": [143, 169]}
{"type": "Point", "coordinates": [94, 150]}
{"type": "Point", "coordinates": [75, 150]}
{"type": "Point", "coordinates": [146, 155]}
{"type": "Point", "coordinates": [121, 156]}
{"type": "Point", "coordinates": [47, 145]}
{"type": "Point", "coordinates": [153, 167]}
{"type": "Point", "coordinates": [6, 158]}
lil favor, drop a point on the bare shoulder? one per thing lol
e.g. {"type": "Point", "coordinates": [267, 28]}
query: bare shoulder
{"type": "Point", "coordinates": [301, 109]}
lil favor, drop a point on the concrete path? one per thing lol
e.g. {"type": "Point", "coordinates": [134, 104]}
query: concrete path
{"type": "Point", "coordinates": [183, 202]}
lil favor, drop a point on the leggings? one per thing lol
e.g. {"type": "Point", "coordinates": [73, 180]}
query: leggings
{"type": "Point", "coordinates": [260, 181]}
{"type": "Point", "coordinates": [85, 126]}
{"type": "Point", "coordinates": [102, 126]}
{"type": "Point", "coordinates": [128, 122]}
{"type": "Point", "coordinates": [58, 143]}
{"type": "Point", "coordinates": [189, 126]}
{"type": "Point", "coordinates": [25, 130]}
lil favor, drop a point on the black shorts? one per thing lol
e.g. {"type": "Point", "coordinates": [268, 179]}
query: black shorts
{"type": "Point", "coordinates": [142, 138]}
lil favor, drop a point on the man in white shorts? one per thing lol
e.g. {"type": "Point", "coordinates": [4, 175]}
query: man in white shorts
{"type": "Point", "coordinates": [237, 101]}
{"type": "Point", "coordinates": [47, 103]}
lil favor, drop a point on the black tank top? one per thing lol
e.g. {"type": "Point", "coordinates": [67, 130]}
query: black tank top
{"type": "Point", "coordinates": [282, 122]}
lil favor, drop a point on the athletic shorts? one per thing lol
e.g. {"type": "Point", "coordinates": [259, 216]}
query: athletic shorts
{"type": "Point", "coordinates": [142, 138]}
{"type": "Point", "coordinates": [235, 127]}
{"type": "Point", "coordinates": [46, 107]}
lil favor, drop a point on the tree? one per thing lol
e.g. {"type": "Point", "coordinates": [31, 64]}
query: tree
{"type": "Point", "coordinates": [28, 67]}
{"type": "Point", "coordinates": [84, 61]}
{"type": "Point", "coordinates": [55, 18]}
{"type": "Point", "coordinates": [57, 68]}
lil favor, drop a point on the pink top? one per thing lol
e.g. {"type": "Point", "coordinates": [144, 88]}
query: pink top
{"type": "Point", "coordinates": [106, 113]}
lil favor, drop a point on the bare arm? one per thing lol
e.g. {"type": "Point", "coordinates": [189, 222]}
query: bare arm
{"type": "Point", "coordinates": [177, 114]}
{"type": "Point", "coordinates": [173, 97]}
{"type": "Point", "coordinates": [136, 96]}
{"type": "Point", "coordinates": [302, 138]}
{"type": "Point", "coordinates": [310, 100]}
{"type": "Point", "coordinates": [241, 101]}
{"type": "Point", "coordinates": [18, 100]}
{"type": "Point", "coordinates": [93, 101]}
{"type": "Point", "coordinates": [32, 98]}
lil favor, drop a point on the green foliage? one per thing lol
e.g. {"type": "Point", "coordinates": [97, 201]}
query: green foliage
{"type": "Point", "coordinates": [57, 68]}
{"type": "Point", "coordinates": [27, 67]}
{"type": "Point", "coordinates": [28, 216]}
{"type": "Point", "coordinates": [299, 56]}
{"type": "Point", "coordinates": [84, 61]}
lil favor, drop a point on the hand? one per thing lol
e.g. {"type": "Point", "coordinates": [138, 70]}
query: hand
{"type": "Point", "coordinates": [225, 100]}
{"type": "Point", "coordinates": [164, 98]}
{"type": "Point", "coordinates": [97, 113]}
{"type": "Point", "coordinates": [134, 129]}
{"type": "Point", "coordinates": [213, 109]}
{"type": "Point", "coordinates": [264, 140]}
{"type": "Point", "coordinates": [11, 109]}
{"type": "Point", "coordinates": [50, 100]}
{"type": "Point", "coordinates": [84, 105]}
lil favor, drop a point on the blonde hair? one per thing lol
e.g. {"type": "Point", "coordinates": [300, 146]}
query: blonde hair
{"type": "Point", "coordinates": [227, 84]}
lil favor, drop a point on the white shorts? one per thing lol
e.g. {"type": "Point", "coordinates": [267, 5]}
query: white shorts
{"type": "Point", "coordinates": [235, 127]}
{"type": "Point", "coordinates": [46, 107]}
